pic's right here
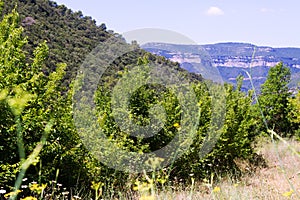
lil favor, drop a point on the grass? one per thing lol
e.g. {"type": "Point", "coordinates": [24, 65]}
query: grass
{"type": "Point", "coordinates": [279, 180]}
{"type": "Point", "coordinates": [273, 182]}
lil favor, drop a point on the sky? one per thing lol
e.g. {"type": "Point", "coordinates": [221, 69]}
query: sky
{"type": "Point", "coordinates": [274, 23]}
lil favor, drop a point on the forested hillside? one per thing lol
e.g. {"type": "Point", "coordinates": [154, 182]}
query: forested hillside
{"type": "Point", "coordinates": [69, 35]}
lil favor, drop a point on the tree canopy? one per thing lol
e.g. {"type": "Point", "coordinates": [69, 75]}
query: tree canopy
{"type": "Point", "coordinates": [274, 99]}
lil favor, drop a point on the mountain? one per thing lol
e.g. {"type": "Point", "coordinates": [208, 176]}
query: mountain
{"type": "Point", "coordinates": [70, 35]}
{"type": "Point", "coordinates": [228, 60]}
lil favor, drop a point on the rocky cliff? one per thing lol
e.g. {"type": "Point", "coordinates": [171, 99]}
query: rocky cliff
{"type": "Point", "coordinates": [228, 60]}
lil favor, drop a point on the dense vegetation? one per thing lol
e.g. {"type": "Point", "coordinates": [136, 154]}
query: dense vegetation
{"type": "Point", "coordinates": [39, 140]}
{"type": "Point", "coordinates": [69, 35]}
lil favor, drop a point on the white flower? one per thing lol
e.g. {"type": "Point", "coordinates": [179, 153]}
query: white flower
{"type": "Point", "coordinates": [2, 191]}
{"type": "Point", "coordinates": [65, 193]}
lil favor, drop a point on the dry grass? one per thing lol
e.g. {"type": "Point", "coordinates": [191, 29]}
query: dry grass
{"type": "Point", "coordinates": [280, 180]}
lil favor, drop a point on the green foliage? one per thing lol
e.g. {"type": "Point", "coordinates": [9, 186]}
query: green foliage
{"type": "Point", "coordinates": [32, 87]}
{"type": "Point", "coordinates": [10, 70]}
{"type": "Point", "coordinates": [274, 100]}
{"type": "Point", "coordinates": [29, 101]}
{"type": "Point", "coordinates": [235, 139]}
{"type": "Point", "coordinates": [70, 36]}
{"type": "Point", "coordinates": [294, 115]}
{"type": "Point", "coordinates": [239, 129]}
{"type": "Point", "coordinates": [32, 94]}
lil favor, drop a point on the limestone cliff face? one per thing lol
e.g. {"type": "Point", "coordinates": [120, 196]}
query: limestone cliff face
{"type": "Point", "coordinates": [230, 59]}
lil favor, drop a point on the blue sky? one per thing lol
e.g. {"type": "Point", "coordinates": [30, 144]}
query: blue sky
{"type": "Point", "coordinates": [261, 22]}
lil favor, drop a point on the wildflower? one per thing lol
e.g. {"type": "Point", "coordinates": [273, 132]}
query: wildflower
{"type": "Point", "coordinates": [76, 197]}
{"type": "Point", "coordinates": [147, 198]}
{"type": "Point", "coordinates": [29, 198]}
{"type": "Point", "coordinates": [176, 125]}
{"type": "Point", "coordinates": [216, 189]}
{"type": "Point", "coordinates": [2, 191]}
{"type": "Point", "coordinates": [12, 193]}
{"type": "Point", "coordinates": [288, 194]}
{"type": "Point", "coordinates": [34, 187]}
{"type": "Point", "coordinates": [24, 179]}
{"type": "Point", "coordinates": [24, 186]}
{"type": "Point", "coordinates": [37, 188]}
{"type": "Point", "coordinates": [65, 193]}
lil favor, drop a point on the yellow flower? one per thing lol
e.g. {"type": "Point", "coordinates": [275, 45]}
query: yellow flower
{"type": "Point", "coordinates": [147, 198]}
{"type": "Point", "coordinates": [12, 193]}
{"type": "Point", "coordinates": [288, 194]}
{"type": "Point", "coordinates": [176, 125]}
{"type": "Point", "coordinates": [29, 198]}
{"type": "Point", "coordinates": [37, 188]}
{"type": "Point", "coordinates": [216, 189]}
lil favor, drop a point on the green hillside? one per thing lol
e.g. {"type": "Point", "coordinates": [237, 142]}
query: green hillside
{"type": "Point", "coordinates": [69, 35]}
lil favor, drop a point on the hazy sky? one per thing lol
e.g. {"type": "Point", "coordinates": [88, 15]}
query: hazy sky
{"type": "Point", "coordinates": [262, 22]}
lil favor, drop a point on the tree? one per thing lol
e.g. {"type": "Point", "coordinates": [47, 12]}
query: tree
{"type": "Point", "coordinates": [29, 100]}
{"type": "Point", "coordinates": [295, 112]}
{"type": "Point", "coordinates": [274, 101]}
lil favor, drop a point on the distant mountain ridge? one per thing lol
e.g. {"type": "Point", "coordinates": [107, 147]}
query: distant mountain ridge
{"type": "Point", "coordinates": [231, 59]}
